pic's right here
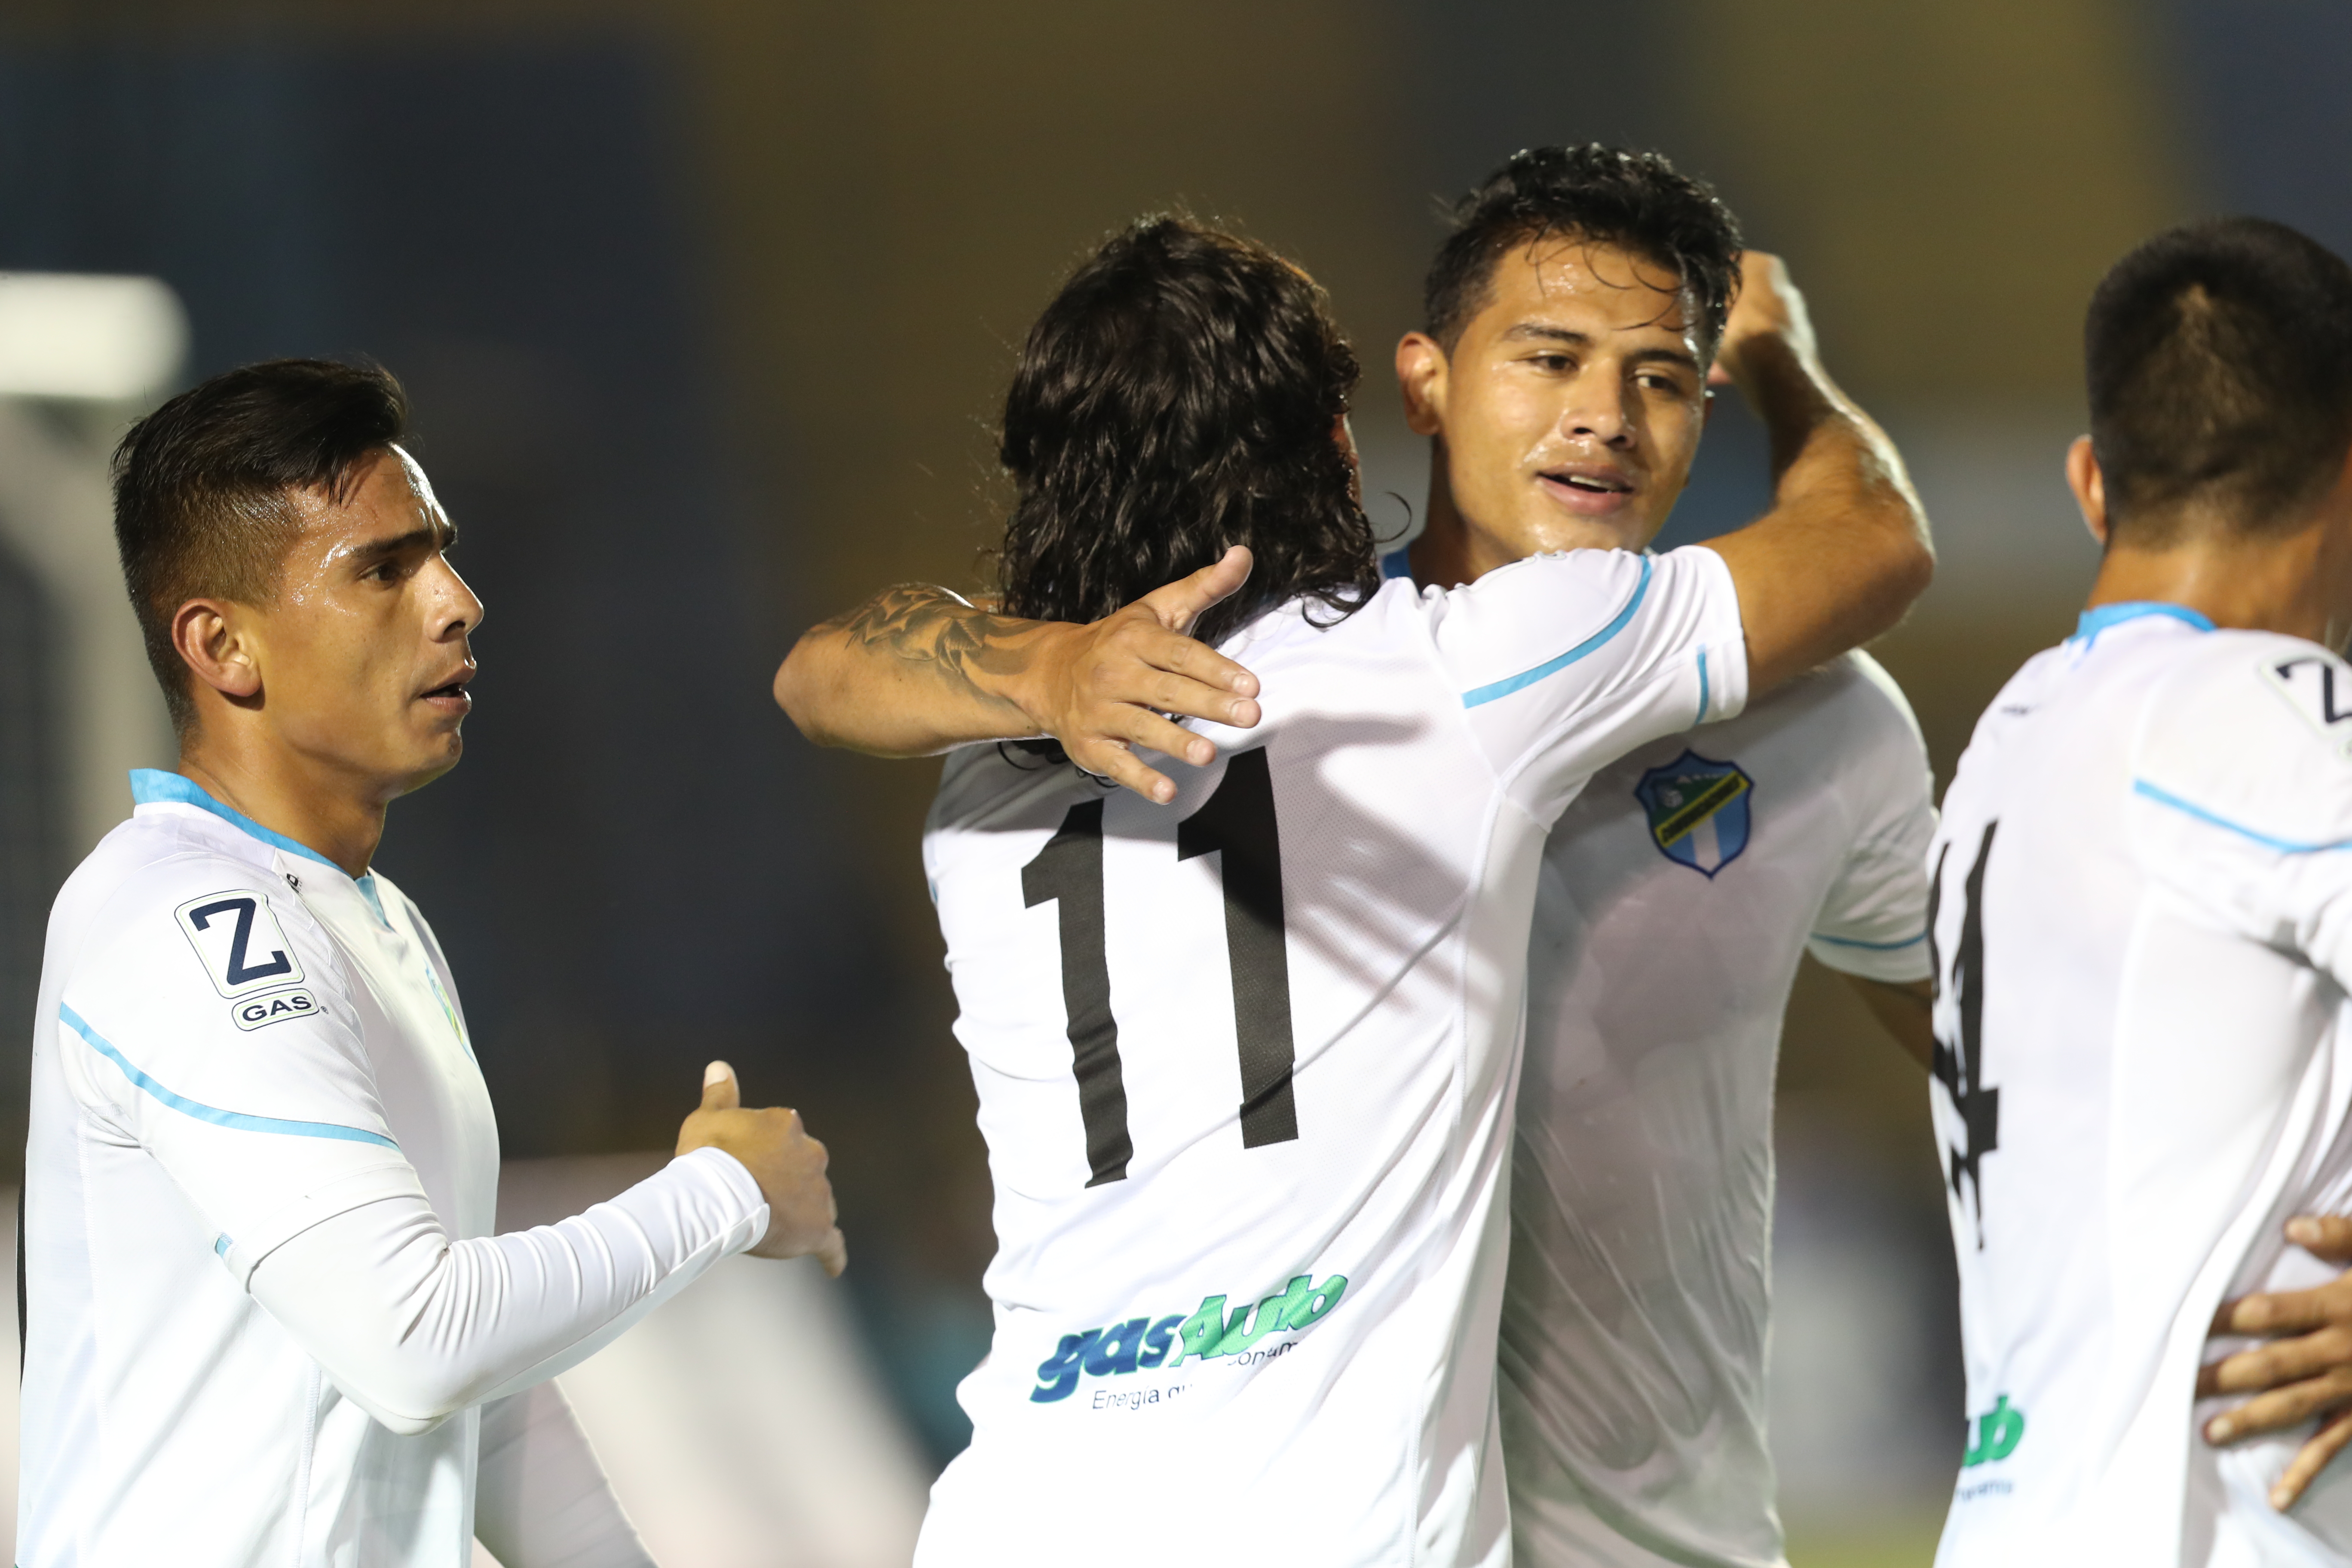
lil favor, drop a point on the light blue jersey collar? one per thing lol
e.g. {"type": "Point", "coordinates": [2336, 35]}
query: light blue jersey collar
{"type": "Point", "coordinates": [1397, 563]}
{"type": "Point", "coordinates": [150, 785]}
{"type": "Point", "coordinates": [2103, 616]}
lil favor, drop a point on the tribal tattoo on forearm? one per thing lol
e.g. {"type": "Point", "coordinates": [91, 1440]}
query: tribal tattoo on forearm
{"type": "Point", "coordinates": [923, 624]}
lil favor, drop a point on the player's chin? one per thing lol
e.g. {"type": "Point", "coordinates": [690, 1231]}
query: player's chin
{"type": "Point", "coordinates": [434, 750]}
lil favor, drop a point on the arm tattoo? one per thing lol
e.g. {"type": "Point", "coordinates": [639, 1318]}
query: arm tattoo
{"type": "Point", "coordinates": [923, 624]}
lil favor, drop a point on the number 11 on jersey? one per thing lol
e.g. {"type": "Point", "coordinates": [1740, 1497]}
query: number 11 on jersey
{"type": "Point", "coordinates": [1236, 823]}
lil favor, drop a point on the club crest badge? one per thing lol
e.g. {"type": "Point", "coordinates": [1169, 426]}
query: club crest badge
{"type": "Point", "coordinates": [1697, 811]}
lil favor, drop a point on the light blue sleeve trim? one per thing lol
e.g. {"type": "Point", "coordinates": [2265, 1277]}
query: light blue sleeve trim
{"type": "Point", "coordinates": [1702, 688]}
{"type": "Point", "coordinates": [1869, 946]}
{"type": "Point", "coordinates": [202, 1112]}
{"type": "Point", "coordinates": [2284, 846]}
{"type": "Point", "coordinates": [221, 1246]}
{"type": "Point", "coordinates": [1486, 694]}
{"type": "Point", "coordinates": [149, 786]}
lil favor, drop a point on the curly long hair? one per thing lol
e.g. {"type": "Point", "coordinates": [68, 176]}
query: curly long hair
{"type": "Point", "coordinates": [1183, 393]}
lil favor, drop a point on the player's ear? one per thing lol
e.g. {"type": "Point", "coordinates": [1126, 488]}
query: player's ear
{"type": "Point", "coordinates": [2090, 488]}
{"type": "Point", "coordinates": [217, 649]}
{"type": "Point", "coordinates": [1420, 370]}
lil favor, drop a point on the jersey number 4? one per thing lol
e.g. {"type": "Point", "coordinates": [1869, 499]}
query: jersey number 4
{"type": "Point", "coordinates": [1236, 822]}
{"type": "Point", "coordinates": [1959, 1062]}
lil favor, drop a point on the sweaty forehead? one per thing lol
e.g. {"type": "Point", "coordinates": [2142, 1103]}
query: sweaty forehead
{"type": "Point", "coordinates": [387, 496]}
{"type": "Point", "coordinates": [1572, 280]}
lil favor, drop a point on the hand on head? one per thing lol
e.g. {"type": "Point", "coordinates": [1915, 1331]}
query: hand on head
{"type": "Point", "coordinates": [1767, 308]}
{"type": "Point", "coordinates": [783, 1158]}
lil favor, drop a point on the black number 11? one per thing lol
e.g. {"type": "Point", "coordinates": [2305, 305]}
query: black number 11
{"type": "Point", "coordinates": [1237, 822]}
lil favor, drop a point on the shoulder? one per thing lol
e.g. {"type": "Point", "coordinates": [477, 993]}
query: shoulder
{"type": "Point", "coordinates": [2252, 732]}
{"type": "Point", "coordinates": [1577, 602]}
{"type": "Point", "coordinates": [1609, 582]}
{"type": "Point", "coordinates": [167, 913]}
{"type": "Point", "coordinates": [986, 785]}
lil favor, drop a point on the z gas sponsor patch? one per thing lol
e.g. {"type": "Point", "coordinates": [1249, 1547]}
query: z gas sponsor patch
{"type": "Point", "coordinates": [273, 1007]}
{"type": "Point", "coordinates": [2312, 688]}
{"type": "Point", "coordinates": [238, 942]}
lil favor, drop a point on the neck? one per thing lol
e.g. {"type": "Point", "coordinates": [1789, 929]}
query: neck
{"type": "Point", "coordinates": [2266, 584]}
{"type": "Point", "coordinates": [320, 808]}
{"type": "Point", "coordinates": [1449, 552]}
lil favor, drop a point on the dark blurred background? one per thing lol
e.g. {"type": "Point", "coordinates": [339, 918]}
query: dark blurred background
{"type": "Point", "coordinates": [705, 306]}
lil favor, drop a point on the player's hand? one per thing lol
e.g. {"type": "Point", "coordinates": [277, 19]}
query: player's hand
{"type": "Point", "coordinates": [2306, 1369]}
{"type": "Point", "coordinates": [783, 1158]}
{"type": "Point", "coordinates": [1767, 317]}
{"type": "Point", "coordinates": [1104, 689]}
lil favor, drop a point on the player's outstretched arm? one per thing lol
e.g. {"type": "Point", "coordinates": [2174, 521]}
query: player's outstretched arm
{"type": "Point", "coordinates": [916, 670]}
{"type": "Point", "coordinates": [1845, 549]}
{"type": "Point", "coordinates": [414, 1327]}
{"type": "Point", "coordinates": [2304, 1371]}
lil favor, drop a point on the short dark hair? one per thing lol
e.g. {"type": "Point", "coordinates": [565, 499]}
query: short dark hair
{"type": "Point", "coordinates": [1607, 196]}
{"type": "Point", "coordinates": [2219, 361]}
{"type": "Point", "coordinates": [201, 486]}
{"type": "Point", "coordinates": [1182, 393]}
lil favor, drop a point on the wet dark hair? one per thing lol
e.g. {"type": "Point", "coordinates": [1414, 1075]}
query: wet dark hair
{"type": "Point", "coordinates": [2219, 361]}
{"type": "Point", "coordinates": [1634, 201]}
{"type": "Point", "coordinates": [201, 486]}
{"type": "Point", "coordinates": [1182, 393]}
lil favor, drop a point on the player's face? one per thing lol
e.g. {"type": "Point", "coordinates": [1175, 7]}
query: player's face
{"type": "Point", "coordinates": [363, 656]}
{"type": "Point", "coordinates": [1568, 412]}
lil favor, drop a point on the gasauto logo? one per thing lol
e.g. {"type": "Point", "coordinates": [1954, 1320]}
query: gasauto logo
{"type": "Point", "coordinates": [1208, 1333]}
{"type": "Point", "coordinates": [1998, 1432]}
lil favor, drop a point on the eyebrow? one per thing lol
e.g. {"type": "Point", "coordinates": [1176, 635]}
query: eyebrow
{"type": "Point", "coordinates": [424, 536]}
{"type": "Point", "coordinates": [1536, 331]}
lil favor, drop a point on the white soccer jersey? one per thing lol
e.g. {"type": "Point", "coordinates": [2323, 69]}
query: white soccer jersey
{"type": "Point", "coordinates": [241, 1052]}
{"type": "Point", "coordinates": [1245, 1062]}
{"type": "Point", "coordinates": [2143, 936]}
{"type": "Point", "coordinates": [1677, 895]}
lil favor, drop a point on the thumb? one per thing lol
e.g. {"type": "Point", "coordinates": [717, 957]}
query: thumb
{"type": "Point", "coordinates": [1186, 600]}
{"type": "Point", "coordinates": [720, 1091]}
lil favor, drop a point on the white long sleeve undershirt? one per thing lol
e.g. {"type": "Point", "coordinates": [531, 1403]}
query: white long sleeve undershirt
{"type": "Point", "coordinates": [414, 1326]}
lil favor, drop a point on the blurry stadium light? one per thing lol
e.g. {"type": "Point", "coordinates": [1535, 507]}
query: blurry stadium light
{"type": "Point", "coordinates": [99, 351]}
{"type": "Point", "coordinates": [65, 335]}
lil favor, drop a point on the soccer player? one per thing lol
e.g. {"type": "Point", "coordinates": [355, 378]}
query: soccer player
{"type": "Point", "coordinates": [2143, 938]}
{"type": "Point", "coordinates": [1672, 907]}
{"type": "Point", "coordinates": [1681, 888]}
{"type": "Point", "coordinates": [268, 1320]}
{"type": "Point", "coordinates": [1244, 1042]}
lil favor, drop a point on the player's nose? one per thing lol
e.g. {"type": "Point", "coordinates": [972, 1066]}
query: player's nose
{"type": "Point", "coordinates": [462, 609]}
{"type": "Point", "coordinates": [1597, 411]}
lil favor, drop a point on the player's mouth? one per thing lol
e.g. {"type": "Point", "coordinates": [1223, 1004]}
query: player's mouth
{"type": "Point", "coordinates": [1589, 489]}
{"type": "Point", "coordinates": [452, 697]}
